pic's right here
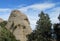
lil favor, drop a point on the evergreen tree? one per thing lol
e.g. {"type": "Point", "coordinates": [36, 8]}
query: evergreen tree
{"type": "Point", "coordinates": [41, 33]}
{"type": "Point", "coordinates": [57, 30]}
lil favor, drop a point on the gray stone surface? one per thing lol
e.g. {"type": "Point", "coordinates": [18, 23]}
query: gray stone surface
{"type": "Point", "coordinates": [19, 25]}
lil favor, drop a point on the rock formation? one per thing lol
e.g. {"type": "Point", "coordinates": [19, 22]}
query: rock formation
{"type": "Point", "coordinates": [19, 25]}
{"type": "Point", "coordinates": [1, 20]}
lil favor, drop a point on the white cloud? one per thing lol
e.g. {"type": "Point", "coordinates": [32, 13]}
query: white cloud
{"type": "Point", "coordinates": [33, 20]}
{"type": "Point", "coordinates": [54, 13]}
{"type": "Point", "coordinates": [4, 13]}
{"type": "Point", "coordinates": [41, 6]}
{"type": "Point", "coordinates": [4, 9]}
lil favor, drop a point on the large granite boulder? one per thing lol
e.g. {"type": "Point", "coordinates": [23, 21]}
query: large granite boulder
{"type": "Point", "coordinates": [19, 25]}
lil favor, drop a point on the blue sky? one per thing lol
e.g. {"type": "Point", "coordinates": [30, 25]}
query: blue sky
{"type": "Point", "coordinates": [31, 8]}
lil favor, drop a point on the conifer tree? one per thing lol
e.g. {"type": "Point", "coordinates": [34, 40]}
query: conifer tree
{"type": "Point", "coordinates": [41, 33]}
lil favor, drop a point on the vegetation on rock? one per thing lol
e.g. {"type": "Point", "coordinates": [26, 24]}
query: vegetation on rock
{"type": "Point", "coordinates": [6, 35]}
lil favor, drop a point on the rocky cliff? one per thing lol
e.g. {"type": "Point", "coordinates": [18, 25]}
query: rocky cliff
{"type": "Point", "coordinates": [19, 25]}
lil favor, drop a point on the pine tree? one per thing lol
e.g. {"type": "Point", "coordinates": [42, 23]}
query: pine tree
{"type": "Point", "coordinates": [57, 30]}
{"type": "Point", "coordinates": [41, 33]}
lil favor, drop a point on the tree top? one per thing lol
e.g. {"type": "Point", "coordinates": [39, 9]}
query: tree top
{"type": "Point", "coordinates": [59, 17]}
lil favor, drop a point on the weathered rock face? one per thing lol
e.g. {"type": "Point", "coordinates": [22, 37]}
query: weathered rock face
{"type": "Point", "coordinates": [1, 20]}
{"type": "Point", "coordinates": [19, 25]}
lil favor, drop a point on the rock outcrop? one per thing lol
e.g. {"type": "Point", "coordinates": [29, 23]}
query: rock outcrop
{"type": "Point", "coordinates": [1, 20]}
{"type": "Point", "coordinates": [19, 25]}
